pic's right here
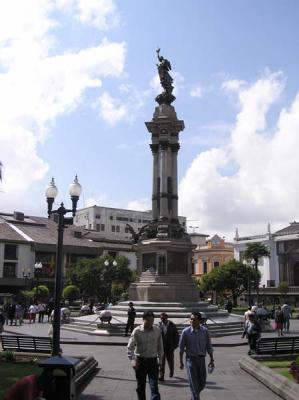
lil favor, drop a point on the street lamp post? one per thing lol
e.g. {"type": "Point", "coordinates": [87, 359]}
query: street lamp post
{"type": "Point", "coordinates": [194, 228]}
{"type": "Point", "coordinates": [107, 263]}
{"type": "Point", "coordinates": [37, 268]}
{"type": "Point", "coordinates": [51, 193]}
{"type": "Point", "coordinates": [26, 275]}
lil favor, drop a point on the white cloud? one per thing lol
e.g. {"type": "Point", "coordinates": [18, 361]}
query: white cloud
{"type": "Point", "coordinates": [98, 200]}
{"type": "Point", "coordinates": [37, 85]}
{"type": "Point", "coordinates": [264, 186]}
{"type": "Point", "coordinates": [196, 91]}
{"type": "Point", "coordinates": [139, 205]}
{"type": "Point", "coordinates": [111, 110]}
{"type": "Point", "coordinates": [114, 110]}
{"type": "Point", "coordinates": [100, 14]}
{"type": "Point", "coordinates": [233, 85]}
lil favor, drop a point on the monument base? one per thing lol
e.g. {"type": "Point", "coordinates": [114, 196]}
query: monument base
{"type": "Point", "coordinates": [165, 271]}
{"type": "Point", "coordinates": [159, 288]}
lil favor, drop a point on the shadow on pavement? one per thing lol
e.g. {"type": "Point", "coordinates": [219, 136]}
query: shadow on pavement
{"type": "Point", "coordinates": [114, 379]}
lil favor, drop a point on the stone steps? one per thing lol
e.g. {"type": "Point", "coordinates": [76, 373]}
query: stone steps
{"type": "Point", "coordinates": [216, 330]}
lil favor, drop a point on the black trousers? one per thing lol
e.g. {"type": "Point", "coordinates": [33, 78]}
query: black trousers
{"type": "Point", "coordinates": [169, 356]}
{"type": "Point", "coordinates": [252, 339]}
{"type": "Point", "coordinates": [147, 367]}
{"type": "Point", "coordinates": [130, 325]}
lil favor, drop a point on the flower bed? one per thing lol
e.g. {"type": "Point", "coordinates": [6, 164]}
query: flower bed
{"type": "Point", "coordinates": [294, 369]}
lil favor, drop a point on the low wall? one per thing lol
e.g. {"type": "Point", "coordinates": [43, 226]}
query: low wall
{"type": "Point", "coordinates": [280, 385]}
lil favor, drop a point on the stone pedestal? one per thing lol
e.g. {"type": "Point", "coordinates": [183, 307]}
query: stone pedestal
{"type": "Point", "coordinates": [165, 270]}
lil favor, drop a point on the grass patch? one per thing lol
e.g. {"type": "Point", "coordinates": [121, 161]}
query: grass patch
{"type": "Point", "coordinates": [10, 373]}
{"type": "Point", "coordinates": [277, 364]}
{"type": "Point", "coordinates": [280, 367]}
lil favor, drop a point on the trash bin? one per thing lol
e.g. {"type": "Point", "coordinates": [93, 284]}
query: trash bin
{"type": "Point", "coordinates": [59, 378]}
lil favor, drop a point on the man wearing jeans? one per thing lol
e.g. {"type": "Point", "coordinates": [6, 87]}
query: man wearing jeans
{"type": "Point", "coordinates": [195, 341]}
{"type": "Point", "coordinates": [145, 350]}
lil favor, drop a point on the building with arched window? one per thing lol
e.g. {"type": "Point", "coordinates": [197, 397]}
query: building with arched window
{"type": "Point", "coordinates": [212, 254]}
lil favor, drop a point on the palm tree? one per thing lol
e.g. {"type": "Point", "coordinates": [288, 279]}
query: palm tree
{"type": "Point", "coordinates": [255, 251]}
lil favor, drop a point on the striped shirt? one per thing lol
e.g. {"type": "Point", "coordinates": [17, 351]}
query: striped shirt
{"type": "Point", "coordinates": [146, 343]}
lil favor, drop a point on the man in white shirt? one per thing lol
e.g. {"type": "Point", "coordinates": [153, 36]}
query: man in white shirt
{"type": "Point", "coordinates": [246, 315]}
{"type": "Point", "coordinates": [145, 350]}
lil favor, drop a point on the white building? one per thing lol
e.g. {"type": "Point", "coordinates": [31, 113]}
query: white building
{"type": "Point", "coordinates": [111, 222]}
{"type": "Point", "coordinates": [268, 266]}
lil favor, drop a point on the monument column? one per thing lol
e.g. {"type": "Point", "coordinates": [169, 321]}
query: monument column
{"type": "Point", "coordinates": [175, 148]}
{"type": "Point", "coordinates": [164, 215]}
{"type": "Point", "coordinates": [155, 196]}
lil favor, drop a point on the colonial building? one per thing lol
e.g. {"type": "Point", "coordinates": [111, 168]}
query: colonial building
{"type": "Point", "coordinates": [211, 253]}
{"type": "Point", "coordinates": [287, 247]}
{"type": "Point", "coordinates": [25, 240]}
{"type": "Point", "coordinates": [281, 266]}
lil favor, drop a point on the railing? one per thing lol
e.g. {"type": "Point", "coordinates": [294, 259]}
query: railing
{"type": "Point", "coordinates": [268, 290]}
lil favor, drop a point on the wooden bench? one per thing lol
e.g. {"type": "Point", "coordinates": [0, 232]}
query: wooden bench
{"type": "Point", "coordinates": [32, 344]}
{"type": "Point", "coordinates": [278, 345]}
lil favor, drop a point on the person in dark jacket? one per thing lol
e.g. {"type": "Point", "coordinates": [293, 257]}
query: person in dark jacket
{"type": "Point", "coordinates": [11, 312]}
{"type": "Point", "coordinates": [50, 308]}
{"type": "Point", "coordinates": [170, 339]}
{"type": "Point", "coordinates": [131, 318]}
{"type": "Point", "coordinates": [2, 321]}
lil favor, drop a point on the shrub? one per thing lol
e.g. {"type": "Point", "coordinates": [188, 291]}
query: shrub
{"type": "Point", "coordinates": [41, 292]}
{"type": "Point", "coordinates": [9, 356]}
{"type": "Point", "coordinates": [71, 293]}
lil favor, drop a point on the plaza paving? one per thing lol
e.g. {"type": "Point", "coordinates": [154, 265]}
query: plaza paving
{"type": "Point", "coordinates": [115, 380]}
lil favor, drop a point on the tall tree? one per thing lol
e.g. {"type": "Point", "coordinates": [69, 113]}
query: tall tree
{"type": "Point", "coordinates": [255, 251]}
{"type": "Point", "coordinates": [232, 277]}
{"type": "Point", "coordinates": [94, 278]}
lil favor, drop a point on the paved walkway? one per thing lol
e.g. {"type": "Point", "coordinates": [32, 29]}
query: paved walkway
{"type": "Point", "coordinates": [116, 381]}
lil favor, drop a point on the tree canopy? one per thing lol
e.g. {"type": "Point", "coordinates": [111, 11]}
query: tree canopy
{"type": "Point", "coordinates": [232, 277]}
{"type": "Point", "coordinates": [254, 251]}
{"type": "Point", "coordinates": [95, 279]}
{"type": "Point", "coordinates": [71, 293]}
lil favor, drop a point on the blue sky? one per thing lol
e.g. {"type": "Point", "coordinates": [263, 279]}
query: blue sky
{"type": "Point", "coordinates": [78, 79]}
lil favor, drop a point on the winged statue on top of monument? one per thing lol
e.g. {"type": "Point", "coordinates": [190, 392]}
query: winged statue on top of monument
{"type": "Point", "coordinates": [166, 97]}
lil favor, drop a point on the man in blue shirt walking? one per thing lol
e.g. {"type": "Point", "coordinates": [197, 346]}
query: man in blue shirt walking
{"type": "Point", "coordinates": [195, 342]}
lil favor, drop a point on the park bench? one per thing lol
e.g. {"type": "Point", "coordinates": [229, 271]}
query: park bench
{"type": "Point", "coordinates": [278, 345]}
{"type": "Point", "coordinates": [32, 344]}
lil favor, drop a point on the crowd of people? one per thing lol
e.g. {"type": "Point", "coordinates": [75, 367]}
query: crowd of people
{"type": "Point", "coordinates": [15, 314]}
{"type": "Point", "coordinates": [254, 317]}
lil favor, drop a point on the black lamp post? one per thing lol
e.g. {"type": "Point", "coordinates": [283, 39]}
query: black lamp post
{"type": "Point", "coordinates": [26, 275]}
{"type": "Point", "coordinates": [37, 268]}
{"type": "Point", "coordinates": [107, 263]}
{"type": "Point", "coordinates": [51, 193]}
